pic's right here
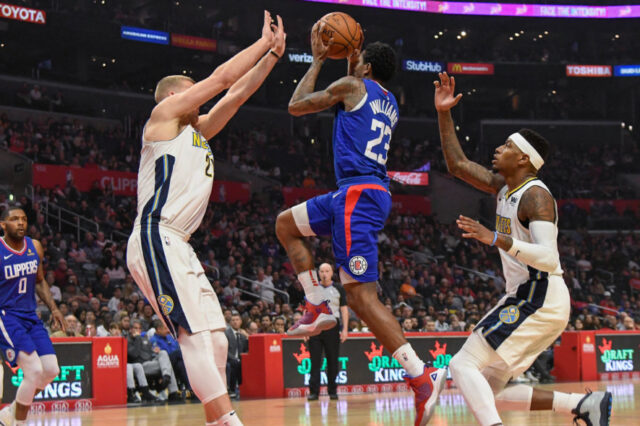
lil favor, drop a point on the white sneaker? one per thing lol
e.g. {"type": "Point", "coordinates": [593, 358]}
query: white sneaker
{"type": "Point", "coordinates": [594, 409]}
{"type": "Point", "coordinates": [7, 415]}
{"type": "Point", "coordinates": [529, 375]}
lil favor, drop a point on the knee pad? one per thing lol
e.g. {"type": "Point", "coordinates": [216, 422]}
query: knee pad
{"type": "Point", "coordinates": [201, 364]}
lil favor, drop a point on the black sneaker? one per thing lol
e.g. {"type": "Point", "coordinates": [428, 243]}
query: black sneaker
{"type": "Point", "coordinates": [333, 396]}
{"type": "Point", "coordinates": [312, 397]}
{"type": "Point", "coordinates": [175, 397]}
{"type": "Point", "coordinates": [594, 409]}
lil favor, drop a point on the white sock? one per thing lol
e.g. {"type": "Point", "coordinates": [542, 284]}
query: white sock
{"type": "Point", "coordinates": [565, 402]}
{"type": "Point", "coordinates": [408, 358]}
{"type": "Point", "coordinates": [517, 398]}
{"type": "Point", "coordinates": [229, 419]}
{"type": "Point", "coordinates": [311, 286]}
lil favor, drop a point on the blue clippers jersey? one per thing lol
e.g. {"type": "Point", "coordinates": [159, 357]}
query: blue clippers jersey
{"type": "Point", "coordinates": [18, 272]}
{"type": "Point", "coordinates": [361, 137]}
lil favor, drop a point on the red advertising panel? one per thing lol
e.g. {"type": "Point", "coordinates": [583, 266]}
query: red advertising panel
{"type": "Point", "coordinates": [465, 68]}
{"type": "Point", "coordinates": [123, 183]}
{"type": "Point", "coordinates": [25, 14]}
{"type": "Point", "coordinates": [410, 178]}
{"type": "Point", "coordinates": [191, 42]}
{"type": "Point", "coordinates": [589, 71]}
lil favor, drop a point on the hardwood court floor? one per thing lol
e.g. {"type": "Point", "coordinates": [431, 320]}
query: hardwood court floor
{"type": "Point", "coordinates": [370, 410]}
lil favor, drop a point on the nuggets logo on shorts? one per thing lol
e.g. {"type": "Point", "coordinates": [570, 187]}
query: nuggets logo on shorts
{"type": "Point", "coordinates": [11, 355]}
{"type": "Point", "coordinates": [166, 303]}
{"type": "Point", "coordinates": [358, 265]}
{"type": "Point", "coordinates": [510, 314]}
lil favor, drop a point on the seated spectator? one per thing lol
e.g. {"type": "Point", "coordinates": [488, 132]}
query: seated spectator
{"type": "Point", "coordinates": [441, 322]}
{"type": "Point", "coordinates": [266, 326]}
{"type": "Point", "coordinates": [279, 325]}
{"type": "Point", "coordinates": [252, 328]}
{"type": "Point", "coordinates": [238, 344]}
{"type": "Point", "coordinates": [135, 372]}
{"type": "Point", "coordinates": [115, 270]}
{"type": "Point", "coordinates": [103, 289]}
{"type": "Point", "coordinates": [264, 286]}
{"type": "Point", "coordinates": [629, 323]}
{"type": "Point", "coordinates": [165, 341]}
{"type": "Point", "coordinates": [115, 303]}
{"type": "Point", "coordinates": [73, 328]}
{"type": "Point", "coordinates": [407, 324]}
{"type": "Point", "coordinates": [148, 317]}
{"type": "Point", "coordinates": [430, 326]}
{"type": "Point", "coordinates": [154, 361]}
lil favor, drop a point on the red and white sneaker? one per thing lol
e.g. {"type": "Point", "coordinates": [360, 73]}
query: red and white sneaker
{"type": "Point", "coordinates": [427, 388]}
{"type": "Point", "coordinates": [316, 318]}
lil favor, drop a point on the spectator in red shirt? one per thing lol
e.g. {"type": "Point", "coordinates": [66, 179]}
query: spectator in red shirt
{"type": "Point", "coordinates": [606, 302]}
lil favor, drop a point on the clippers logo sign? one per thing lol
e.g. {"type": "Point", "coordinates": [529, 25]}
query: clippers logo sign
{"type": "Point", "coordinates": [73, 382]}
{"type": "Point", "coordinates": [618, 353]}
{"type": "Point", "coordinates": [464, 68]}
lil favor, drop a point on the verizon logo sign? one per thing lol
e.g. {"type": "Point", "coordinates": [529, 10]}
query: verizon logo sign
{"type": "Point", "coordinates": [24, 14]}
{"type": "Point", "coordinates": [410, 178]}
{"type": "Point", "coordinates": [589, 71]}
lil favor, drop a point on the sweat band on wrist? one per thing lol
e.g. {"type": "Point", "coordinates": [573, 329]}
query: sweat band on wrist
{"type": "Point", "coordinates": [274, 53]}
{"type": "Point", "coordinates": [495, 238]}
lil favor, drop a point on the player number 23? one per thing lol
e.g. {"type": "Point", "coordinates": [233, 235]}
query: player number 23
{"type": "Point", "coordinates": [208, 170]}
{"type": "Point", "coordinates": [384, 131]}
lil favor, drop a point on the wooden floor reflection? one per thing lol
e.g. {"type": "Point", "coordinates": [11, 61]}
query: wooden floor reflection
{"type": "Point", "coordinates": [371, 409]}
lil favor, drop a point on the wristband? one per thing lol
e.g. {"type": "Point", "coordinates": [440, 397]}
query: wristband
{"type": "Point", "coordinates": [495, 238]}
{"type": "Point", "coordinates": [274, 53]}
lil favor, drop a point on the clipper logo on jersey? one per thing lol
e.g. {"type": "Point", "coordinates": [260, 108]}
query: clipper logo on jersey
{"type": "Point", "coordinates": [503, 225]}
{"type": "Point", "coordinates": [358, 265]}
{"type": "Point", "coordinates": [510, 314]}
{"type": "Point", "coordinates": [166, 303]}
{"type": "Point", "coordinates": [11, 355]}
{"type": "Point", "coordinates": [25, 268]}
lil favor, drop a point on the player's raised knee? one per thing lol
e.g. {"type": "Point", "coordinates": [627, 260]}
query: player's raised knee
{"type": "Point", "coordinates": [284, 222]}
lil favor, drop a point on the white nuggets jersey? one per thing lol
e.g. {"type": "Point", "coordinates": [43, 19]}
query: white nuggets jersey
{"type": "Point", "coordinates": [175, 181]}
{"type": "Point", "coordinates": [507, 223]}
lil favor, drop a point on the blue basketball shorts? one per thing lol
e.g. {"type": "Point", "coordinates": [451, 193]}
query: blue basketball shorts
{"type": "Point", "coordinates": [353, 215]}
{"type": "Point", "coordinates": [23, 331]}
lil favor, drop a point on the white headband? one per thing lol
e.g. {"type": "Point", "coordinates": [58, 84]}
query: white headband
{"type": "Point", "coordinates": [524, 145]}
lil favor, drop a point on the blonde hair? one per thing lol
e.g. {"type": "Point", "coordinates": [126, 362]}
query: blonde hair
{"type": "Point", "coordinates": [168, 83]}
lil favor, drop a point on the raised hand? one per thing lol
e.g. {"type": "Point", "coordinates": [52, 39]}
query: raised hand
{"type": "Point", "coordinates": [267, 28]}
{"type": "Point", "coordinates": [473, 229]}
{"type": "Point", "coordinates": [319, 50]}
{"type": "Point", "coordinates": [280, 37]}
{"type": "Point", "coordinates": [444, 98]}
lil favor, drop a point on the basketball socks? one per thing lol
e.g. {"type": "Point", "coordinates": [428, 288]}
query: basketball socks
{"type": "Point", "coordinates": [229, 419]}
{"type": "Point", "coordinates": [311, 286]}
{"type": "Point", "coordinates": [409, 360]}
{"type": "Point", "coordinates": [565, 402]}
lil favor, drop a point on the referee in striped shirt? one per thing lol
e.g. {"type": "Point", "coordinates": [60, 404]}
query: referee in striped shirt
{"type": "Point", "coordinates": [329, 339]}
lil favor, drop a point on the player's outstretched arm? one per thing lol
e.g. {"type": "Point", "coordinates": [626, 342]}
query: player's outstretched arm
{"type": "Point", "coordinates": [44, 293]}
{"type": "Point", "coordinates": [223, 77]}
{"type": "Point", "coordinates": [210, 124]}
{"type": "Point", "coordinates": [457, 163]}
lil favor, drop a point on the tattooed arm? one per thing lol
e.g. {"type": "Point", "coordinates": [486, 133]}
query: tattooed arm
{"type": "Point", "coordinates": [457, 163]}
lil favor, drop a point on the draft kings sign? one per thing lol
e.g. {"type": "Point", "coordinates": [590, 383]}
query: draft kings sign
{"type": "Point", "coordinates": [617, 353]}
{"type": "Point", "coordinates": [363, 362]}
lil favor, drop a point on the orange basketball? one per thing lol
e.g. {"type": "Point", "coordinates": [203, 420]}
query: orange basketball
{"type": "Point", "coordinates": [407, 290]}
{"type": "Point", "coordinates": [346, 34]}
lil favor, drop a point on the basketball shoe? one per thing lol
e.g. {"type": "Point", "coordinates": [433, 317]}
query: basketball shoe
{"type": "Point", "coordinates": [316, 318]}
{"type": "Point", "coordinates": [594, 409]}
{"type": "Point", "coordinates": [427, 388]}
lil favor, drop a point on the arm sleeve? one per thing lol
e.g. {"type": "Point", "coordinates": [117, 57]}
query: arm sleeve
{"type": "Point", "coordinates": [542, 253]}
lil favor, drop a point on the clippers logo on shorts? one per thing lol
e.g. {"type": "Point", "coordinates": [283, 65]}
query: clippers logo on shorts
{"type": "Point", "coordinates": [510, 314]}
{"type": "Point", "coordinates": [11, 355]}
{"type": "Point", "coordinates": [358, 265]}
{"type": "Point", "coordinates": [166, 303]}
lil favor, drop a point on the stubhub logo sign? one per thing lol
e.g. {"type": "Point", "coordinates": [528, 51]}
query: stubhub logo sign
{"type": "Point", "coordinates": [422, 66]}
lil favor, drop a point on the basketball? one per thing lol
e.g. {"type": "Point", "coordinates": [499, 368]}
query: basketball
{"type": "Point", "coordinates": [346, 33]}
